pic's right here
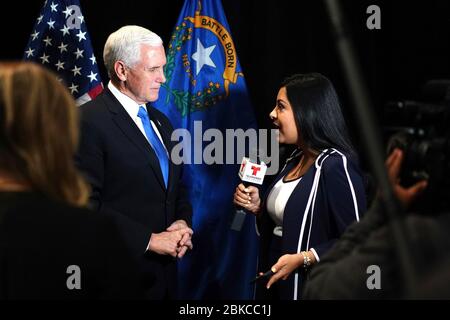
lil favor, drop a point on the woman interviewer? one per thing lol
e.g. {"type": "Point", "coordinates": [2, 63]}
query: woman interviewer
{"type": "Point", "coordinates": [50, 247]}
{"type": "Point", "coordinates": [317, 194]}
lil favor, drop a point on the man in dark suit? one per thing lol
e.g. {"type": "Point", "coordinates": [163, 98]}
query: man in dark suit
{"type": "Point", "coordinates": [125, 153]}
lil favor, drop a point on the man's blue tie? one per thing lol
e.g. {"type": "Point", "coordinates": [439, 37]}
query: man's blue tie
{"type": "Point", "coordinates": [156, 143]}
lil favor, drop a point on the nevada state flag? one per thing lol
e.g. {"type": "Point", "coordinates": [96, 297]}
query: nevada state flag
{"type": "Point", "coordinates": [206, 91]}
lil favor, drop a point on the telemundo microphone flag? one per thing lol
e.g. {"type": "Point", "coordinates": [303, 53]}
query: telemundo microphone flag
{"type": "Point", "coordinates": [60, 42]}
{"type": "Point", "coordinates": [205, 91]}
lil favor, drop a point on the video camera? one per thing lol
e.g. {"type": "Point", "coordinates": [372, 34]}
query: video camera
{"type": "Point", "coordinates": [422, 131]}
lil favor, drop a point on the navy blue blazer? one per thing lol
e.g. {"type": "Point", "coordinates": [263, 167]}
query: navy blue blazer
{"type": "Point", "coordinates": [127, 182]}
{"type": "Point", "coordinates": [330, 196]}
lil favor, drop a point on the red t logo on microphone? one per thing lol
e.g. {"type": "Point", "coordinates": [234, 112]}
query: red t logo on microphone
{"type": "Point", "coordinates": [255, 170]}
{"type": "Point", "coordinates": [243, 165]}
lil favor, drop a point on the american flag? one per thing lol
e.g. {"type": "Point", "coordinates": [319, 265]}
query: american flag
{"type": "Point", "coordinates": [60, 42]}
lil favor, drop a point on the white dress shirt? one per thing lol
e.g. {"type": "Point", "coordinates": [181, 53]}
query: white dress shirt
{"type": "Point", "coordinates": [132, 108]}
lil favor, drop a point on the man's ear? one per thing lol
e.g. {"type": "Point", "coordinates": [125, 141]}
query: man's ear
{"type": "Point", "coordinates": [121, 70]}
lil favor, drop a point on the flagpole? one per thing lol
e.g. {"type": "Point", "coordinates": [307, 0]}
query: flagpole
{"type": "Point", "coordinates": [369, 132]}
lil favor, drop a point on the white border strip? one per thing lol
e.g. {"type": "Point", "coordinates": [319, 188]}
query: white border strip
{"type": "Point", "coordinates": [352, 190]}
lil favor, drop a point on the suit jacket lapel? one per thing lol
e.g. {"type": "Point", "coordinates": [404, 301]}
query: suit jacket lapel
{"type": "Point", "coordinates": [122, 119]}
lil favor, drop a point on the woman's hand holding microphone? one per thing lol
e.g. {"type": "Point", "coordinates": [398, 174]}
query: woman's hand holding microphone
{"type": "Point", "coordinates": [248, 198]}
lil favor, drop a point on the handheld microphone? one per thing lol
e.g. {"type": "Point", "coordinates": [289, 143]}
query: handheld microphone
{"type": "Point", "coordinates": [251, 173]}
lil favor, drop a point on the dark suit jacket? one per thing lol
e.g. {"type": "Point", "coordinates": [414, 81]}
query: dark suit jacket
{"type": "Point", "coordinates": [40, 238]}
{"type": "Point", "coordinates": [313, 220]}
{"type": "Point", "coordinates": [127, 183]}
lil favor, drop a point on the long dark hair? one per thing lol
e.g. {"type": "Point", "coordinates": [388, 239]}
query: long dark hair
{"type": "Point", "coordinates": [317, 113]}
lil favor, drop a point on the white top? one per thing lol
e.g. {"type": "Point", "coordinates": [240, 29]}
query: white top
{"type": "Point", "coordinates": [132, 108]}
{"type": "Point", "coordinates": [276, 202]}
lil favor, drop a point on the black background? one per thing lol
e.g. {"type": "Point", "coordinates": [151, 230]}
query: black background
{"type": "Point", "coordinates": [277, 38]}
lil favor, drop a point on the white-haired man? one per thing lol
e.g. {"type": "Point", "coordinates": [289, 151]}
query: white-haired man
{"type": "Point", "coordinates": [125, 153]}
